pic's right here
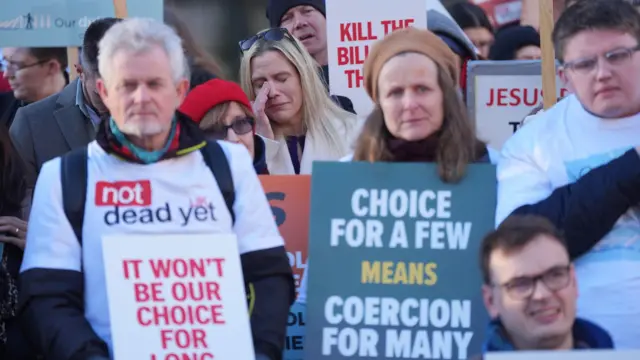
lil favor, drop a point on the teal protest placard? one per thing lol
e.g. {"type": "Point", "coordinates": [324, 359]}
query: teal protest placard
{"type": "Point", "coordinates": [53, 23]}
{"type": "Point", "coordinates": [395, 261]}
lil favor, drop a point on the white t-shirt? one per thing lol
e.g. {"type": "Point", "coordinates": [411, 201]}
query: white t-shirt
{"type": "Point", "coordinates": [556, 148]}
{"type": "Point", "coordinates": [175, 185]}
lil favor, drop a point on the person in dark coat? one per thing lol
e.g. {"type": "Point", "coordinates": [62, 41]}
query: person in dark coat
{"type": "Point", "coordinates": [33, 74]}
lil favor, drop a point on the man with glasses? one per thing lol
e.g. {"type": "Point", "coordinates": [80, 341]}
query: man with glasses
{"type": "Point", "coordinates": [306, 20]}
{"type": "Point", "coordinates": [577, 164]}
{"type": "Point", "coordinates": [530, 290]}
{"type": "Point", "coordinates": [67, 120]}
{"type": "Point", "coordinates": [33, 74]}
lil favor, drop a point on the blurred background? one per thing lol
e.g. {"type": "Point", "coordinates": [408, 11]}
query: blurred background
{"type": "Point", "coordinates": [218, 25]}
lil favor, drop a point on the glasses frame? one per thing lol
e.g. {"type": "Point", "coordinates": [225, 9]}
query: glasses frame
{"type": "Point", "coordinates": [223, 129]}
{"type": "Point", "coordinates": [273, 34]}
{"type": "Point", "coordinates": [545, 278]}
{"type": "Point", "coordinates": [628, 52]}
{"type": "Point", "coordinates": [15, 67]}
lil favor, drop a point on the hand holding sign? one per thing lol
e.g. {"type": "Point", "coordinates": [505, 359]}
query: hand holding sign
{"type": "Point", "coordinates": [263, 127]}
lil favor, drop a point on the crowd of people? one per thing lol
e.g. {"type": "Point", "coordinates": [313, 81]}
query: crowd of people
{"type": "Point", "coordinates": [150, 107]}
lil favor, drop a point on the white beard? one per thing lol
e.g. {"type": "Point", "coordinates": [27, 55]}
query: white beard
{"type": "Point", "coordinates": [142, 129]}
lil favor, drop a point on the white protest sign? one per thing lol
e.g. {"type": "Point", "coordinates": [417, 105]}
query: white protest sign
{"type": "Point", "coordinates": [352, 27]}
{"type": "Point", "coordinates": [500, 94]}
{"type": "Point", "coordinates": [177, 297]}
{"type": "Point", "coordinates": [565, 355]}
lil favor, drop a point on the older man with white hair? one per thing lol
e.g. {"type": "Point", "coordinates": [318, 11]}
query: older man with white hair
{"type": "Point", "coordinates": [147, 143]}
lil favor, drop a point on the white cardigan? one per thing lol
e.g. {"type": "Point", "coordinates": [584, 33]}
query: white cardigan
{"type": "Point", "coordinates": [279, 159]}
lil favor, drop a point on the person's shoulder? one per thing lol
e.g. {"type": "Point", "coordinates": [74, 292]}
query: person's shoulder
{"type": "Point", "coordinates": [232, 150]}
{"type": "Point", "coordinates": [50, 170]}
{"type": "Point", "coordinates": [347, 158]}
{"type": "Point", "coordinates": [540, 127]}
{"type": "Point", "coordinates": [238, 157]}
{"type": "Point", "coordinates": [39, 111]}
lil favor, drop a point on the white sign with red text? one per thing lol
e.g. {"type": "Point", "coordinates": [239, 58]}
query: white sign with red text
{"type": "Point", "coordinates": [499, 97]}
{"type": "Point", "coordinates": [177, 297]}
{"type": "Point", "coordinates": [352, 27]}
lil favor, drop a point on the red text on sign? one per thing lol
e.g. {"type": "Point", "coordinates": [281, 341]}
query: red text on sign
{"type": "Point", "coordinates": [182, 268]}
{"type": "Point", "coordinates": [197, 291]}
{"type": "Point", "coordinates": [128, 264]}
{"type": "Point", "coordinates": [352, 55]}
{"type": "Point", "coordinates": [355, 78]}
{"type": "Point", "coordinates": [184, 356]}
{"type": "Point", "coordinates": [123, 193]}
{"type": "Point", "coordinates": [517, 96]}
{"type": "Point", "coordinates": [357, 32]}
{"type": "Point", "coordinates": [393, 25]}
{"type": "Point", "coordinates": [180, 315]}
{"type": "Point", "coordinates": [192, 338]}
{"type": "Point", "coordinates": [148, 292]}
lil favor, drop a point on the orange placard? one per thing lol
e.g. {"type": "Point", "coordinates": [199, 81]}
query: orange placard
{"type": "Point", "coordinates": [289, 197]}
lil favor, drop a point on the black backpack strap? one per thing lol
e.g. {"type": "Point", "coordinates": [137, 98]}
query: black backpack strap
{"type": "Point", "coordinates": [73, 178]}
{"type": "Point", "coordinates": [217, 162]}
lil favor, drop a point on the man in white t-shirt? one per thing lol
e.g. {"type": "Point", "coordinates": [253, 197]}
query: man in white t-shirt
{"type": "Point", "coordinates": [577, 163]}
{"type": "Point", "coordinates": [155, 151]}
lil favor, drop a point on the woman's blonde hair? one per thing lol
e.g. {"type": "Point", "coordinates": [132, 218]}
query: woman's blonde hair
{"type": "Point", "coordinates": [320, 112]}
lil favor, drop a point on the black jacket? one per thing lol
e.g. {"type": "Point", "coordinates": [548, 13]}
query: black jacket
{"type": "Point", "coordinates": [9, 105]}
{"type": "Point", "coordinates": [587, 209]}
{"type": "Point", "coordinates": [260, 156]}
{"type": "Point", "coordinates": [342, 101]}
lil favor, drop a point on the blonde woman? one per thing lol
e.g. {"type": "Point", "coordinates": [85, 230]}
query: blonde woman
{"type": "Point", "coordinates": [294, 113]}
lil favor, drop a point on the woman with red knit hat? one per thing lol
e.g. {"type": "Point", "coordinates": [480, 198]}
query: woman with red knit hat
{"type": "Point", "coordinates": [223, 112]}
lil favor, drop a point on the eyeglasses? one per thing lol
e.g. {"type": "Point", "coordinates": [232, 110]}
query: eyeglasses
{"type": "Point", "coordinates": [555, 279]}
{"type": "Point", "coordinates": [15, 66]}
{"type": "Point", "coordinates": [614, 57]}
{"type": "Point", "coordinates": [239, 126]}
{"type": "Point", "coordinates": [274, 34]}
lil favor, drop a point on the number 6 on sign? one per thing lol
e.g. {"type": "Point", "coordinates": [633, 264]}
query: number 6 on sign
{"type": "Point", "coordinates": [176, 296]}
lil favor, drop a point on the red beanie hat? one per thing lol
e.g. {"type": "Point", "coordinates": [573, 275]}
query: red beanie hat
{"type": "Point", "coordinates": [205, 97]}
{"type": "Point", "coordinates": [4, 84]}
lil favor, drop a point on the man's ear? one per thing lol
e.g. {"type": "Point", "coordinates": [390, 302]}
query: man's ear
{"type": "Point", "coordinates": [489, 301]}
{"type": "Point", "coordinates": [102, 90]}
{"type": "Point", "coordinates": [564, 77]}
{"type": "Point", "coordinates": [54, 67]}
{"type": "Point", "coordinates": [182, 89]}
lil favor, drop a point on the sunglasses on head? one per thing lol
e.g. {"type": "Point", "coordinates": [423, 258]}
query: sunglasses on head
{"type": "Point", "coordinates": [240, 126]}
{"type": "Point", "coordinates": [274, 34]}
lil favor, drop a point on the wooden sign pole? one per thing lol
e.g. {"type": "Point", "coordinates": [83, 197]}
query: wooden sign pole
{"type": "Point", "coordinates": [121, 8]}
{"type": "Point", "coordinates": [548, 55]}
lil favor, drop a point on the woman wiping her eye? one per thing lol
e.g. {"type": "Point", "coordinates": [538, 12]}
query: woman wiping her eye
{"type": "Point", "coordinates": [295, 115]}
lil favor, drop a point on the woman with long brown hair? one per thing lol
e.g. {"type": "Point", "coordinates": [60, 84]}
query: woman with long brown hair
{"type": "Point", "coordinates": [411, 76]}
{"type": "Point", "coordinates": [419, 116]}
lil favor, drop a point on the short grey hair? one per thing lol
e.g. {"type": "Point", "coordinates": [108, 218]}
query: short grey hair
{"type": "Point", "coordinates": [139, 35]}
